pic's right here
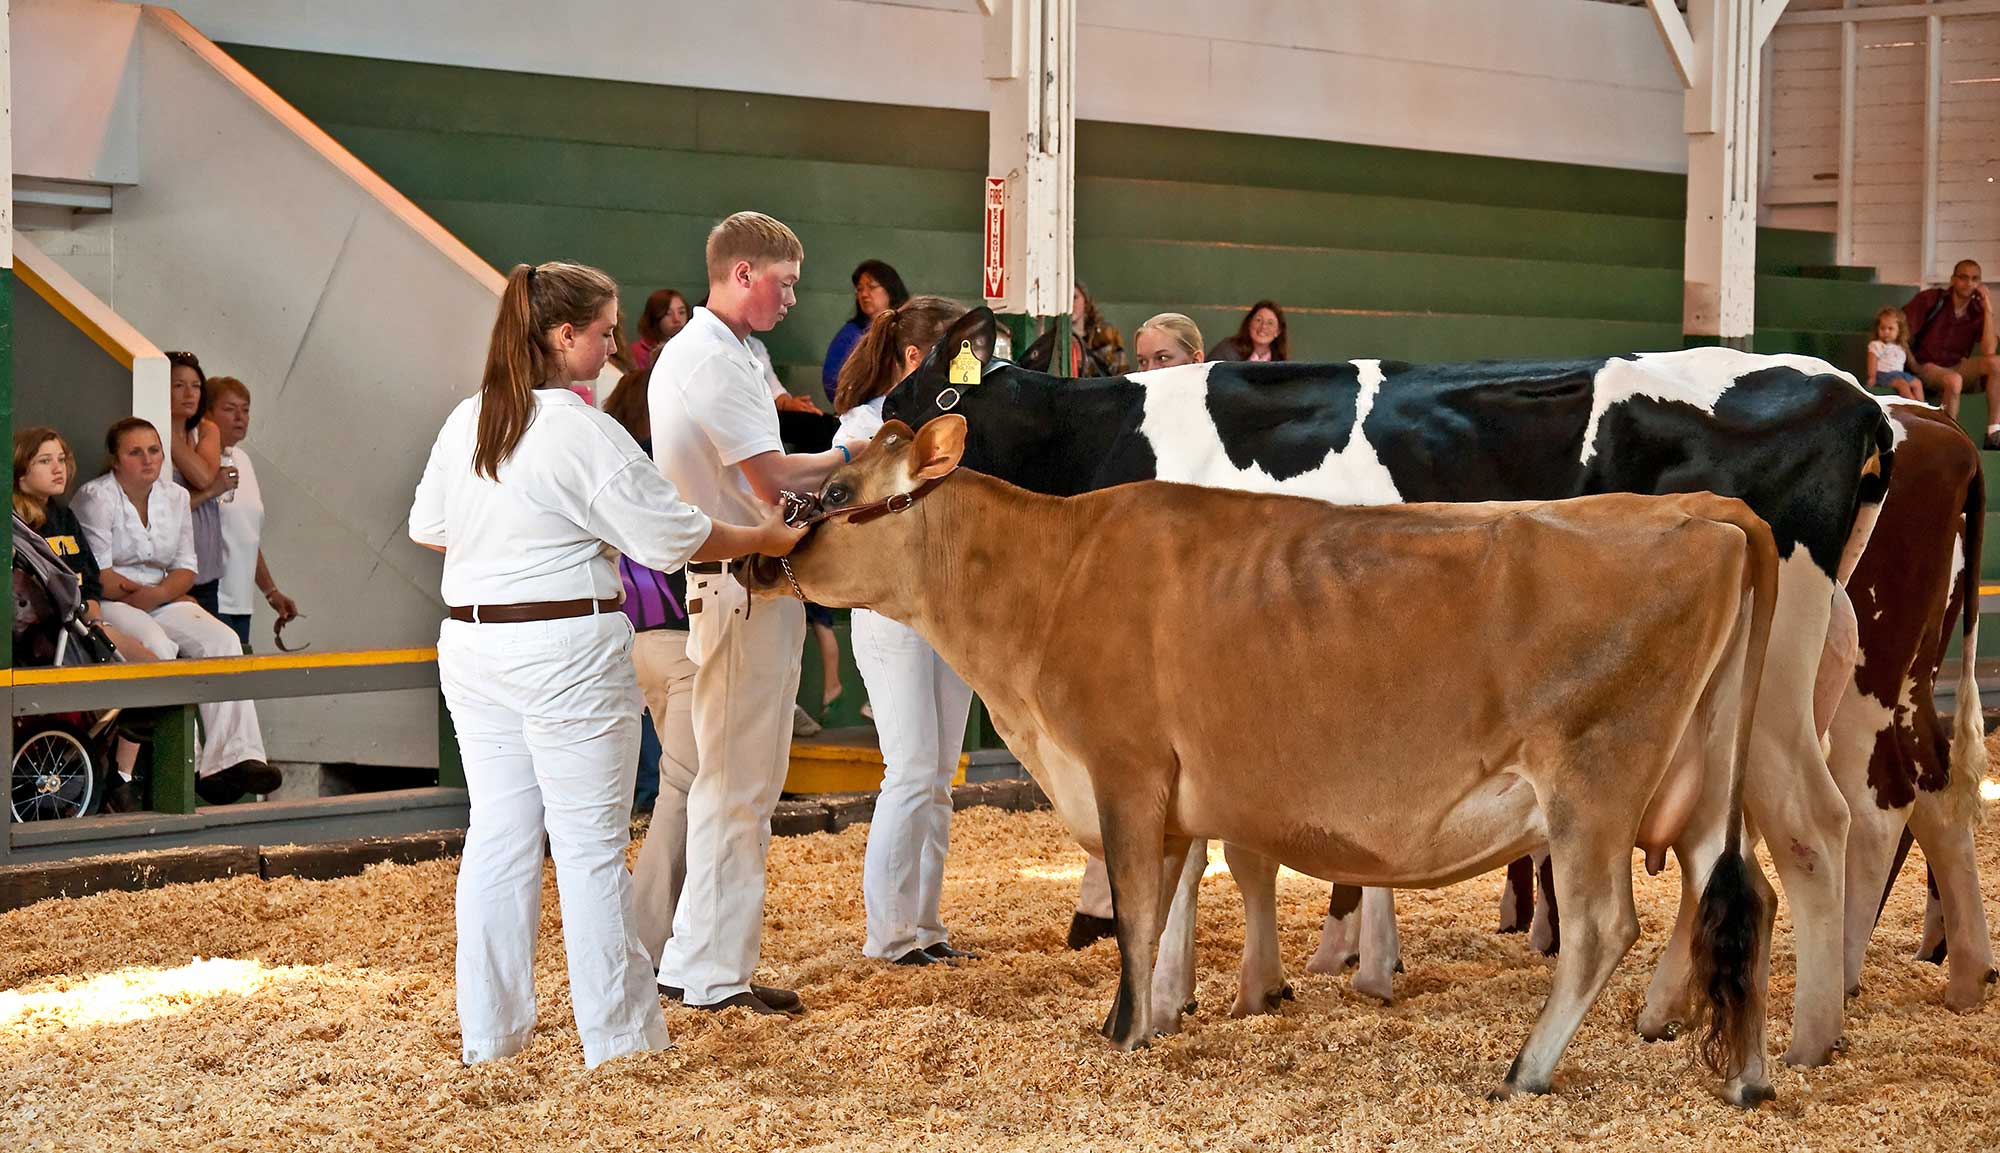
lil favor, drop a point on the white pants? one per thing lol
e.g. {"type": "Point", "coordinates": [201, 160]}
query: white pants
{"type": "Point", "coordinates": [743, 696]}
{"type": "Point", "coordinates": [184, 629]}
{"type": "Point", "coordinates": [666, 681]}
{"type": "Point", "coordinates": [920, 712]}
{"type": "Point", "coordinates": [548, 728]}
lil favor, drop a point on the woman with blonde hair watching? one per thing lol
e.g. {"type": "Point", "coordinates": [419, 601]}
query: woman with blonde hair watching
{"type": "Point", "coordinates": [1167, 340]}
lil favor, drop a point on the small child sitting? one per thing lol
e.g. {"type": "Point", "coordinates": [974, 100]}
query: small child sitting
{"type": "Point", "coordinates": [1889, 356]}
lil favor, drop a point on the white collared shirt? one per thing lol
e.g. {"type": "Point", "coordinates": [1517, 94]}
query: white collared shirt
{"type": "Point", "coordinates": [242, 534]}
{"type": "Point", "coordinates": [142, 551]}
{"type": "Point", "coordinates": [575, 482]}
{"type": "Point", "coordinates": [711, 409]}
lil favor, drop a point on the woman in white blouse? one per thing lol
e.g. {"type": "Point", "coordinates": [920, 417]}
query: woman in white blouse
{"type": "Point", "coordinates": [920, 704]}
{"type": "Point", "coordinates": [525, 488]}
{"type": "Point", "coordinates": [140, 530]}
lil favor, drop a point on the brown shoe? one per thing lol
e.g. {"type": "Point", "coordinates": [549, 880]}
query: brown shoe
{"type": "Point", "coordinates": [748, 1001]}
{"type": "Point", "coordinates": [781, 1000]}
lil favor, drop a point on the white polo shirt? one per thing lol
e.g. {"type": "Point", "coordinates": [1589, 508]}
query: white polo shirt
{"type": "Point", "coordinates": [576, 482]}
{"type": "Point", "coordinates": [711, 409]}
{"type": "Point", "coordinates": [146, 551]}
{"type": "Point", "coordinates": [242, 535]}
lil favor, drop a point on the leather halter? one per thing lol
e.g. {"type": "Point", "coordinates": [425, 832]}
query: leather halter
{"type": "Point", "coordinates": [806, 511]}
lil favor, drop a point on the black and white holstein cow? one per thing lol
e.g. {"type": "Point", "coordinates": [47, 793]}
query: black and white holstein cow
{"type": "Point", "coordinates": [1797, 441]}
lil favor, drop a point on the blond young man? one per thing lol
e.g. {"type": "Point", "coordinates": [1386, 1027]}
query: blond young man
{"type": "Point", "coordinates": [715, 436]}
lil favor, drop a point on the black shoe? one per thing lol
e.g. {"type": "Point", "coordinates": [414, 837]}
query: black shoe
{"type": "Point", "coordinates": [780, 1000]}
{"type": "Point", "coordinates": [917, 957]}
{"type": "Point", "coordinates": [1993, 440]}
{"type": "Point", "coordinates": [221, 788]}
{"type": "Point", "coordinates": [258, 777]}
{"type": "Point", "coordinates": [748, 1001]}
{"type": "Point", "coordinates": [1085, 929]}
{"type": "Point", "coordinates": [944, 952]}
{"type": "Point", "coordinates": [121, 797]}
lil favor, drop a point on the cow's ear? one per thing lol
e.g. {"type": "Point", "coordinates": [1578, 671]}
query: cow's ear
{"type": "Point", "coordinates": [975, 330]}
{"type": "Point", "coordinates": [940, 445]}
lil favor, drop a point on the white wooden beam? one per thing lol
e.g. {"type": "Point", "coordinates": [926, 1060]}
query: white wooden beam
{"type": "Point", "coordinates": [1895, 12]}
{"type": "Point", "coordinates": [1768, 12]}
{"type": "Point", "coordinates": [1843, 213]}
{"type": "Point", "coordinates": [1933, 96]}
{"type": "Point", "coordinates": [1679, 42]}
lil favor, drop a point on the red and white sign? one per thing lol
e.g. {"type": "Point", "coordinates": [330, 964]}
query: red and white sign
{"type": "Point", "coordinates": [996, 237]}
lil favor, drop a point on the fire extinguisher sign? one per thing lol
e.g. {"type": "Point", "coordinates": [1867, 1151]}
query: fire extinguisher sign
{"type": "Point", "coordinates": [996, 237]}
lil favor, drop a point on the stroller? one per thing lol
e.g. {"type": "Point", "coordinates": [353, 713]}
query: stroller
{"type": "Point", "coordinates": [60, 760]}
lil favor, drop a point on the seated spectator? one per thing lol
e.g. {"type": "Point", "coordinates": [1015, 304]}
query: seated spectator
{"type": "Point", "coordinates": [1167, 340]}
{"type": "Point", "coordinates": [665, 314]}
{"type": "Point", "coordinates": [197, 453]}
{"type": "Point", "coordinates": [1095, 348]}
{"type": "Point", "coordinates": [141, 530]}
{"type": "Point", "coordinates": [243, 567]}
{"type": "Point", "coordinates": [876, 286]}
{"type": "Point", "coordinates": [1888, 354]}
{"type": "Point", "coordinates": [1261, 336]}
{"type": "Point", "coordinates": [43, 466]}
{"type": "Point", "coordinates": [1952, 340]}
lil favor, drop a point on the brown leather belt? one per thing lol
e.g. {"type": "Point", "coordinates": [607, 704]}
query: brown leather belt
{"type": "Point", "coordinates": [705, 566]}
{"type": "Point", "coordinates": [532, 611]}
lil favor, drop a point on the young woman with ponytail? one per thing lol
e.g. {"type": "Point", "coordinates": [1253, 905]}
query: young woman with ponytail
{"type": "Point", "coordinates": [524, 488]}
{"type": "Point", "coordinates": [920, 703]}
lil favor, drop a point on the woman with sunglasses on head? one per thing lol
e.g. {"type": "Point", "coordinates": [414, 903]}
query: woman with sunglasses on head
{"type": "Point", "coordinates": [920, 704]}
{"type": "Point", "coordinates": [196, 448]}
{"type": "Point", "coordinates": [524, 488]}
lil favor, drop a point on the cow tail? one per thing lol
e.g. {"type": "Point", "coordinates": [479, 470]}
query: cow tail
{"type": "Point", "coordinates": [1870, 493]}
{"type": "Point", "coordinates": [1968, 725]}
{"type": "Point", "coordinates": [1724, 987]}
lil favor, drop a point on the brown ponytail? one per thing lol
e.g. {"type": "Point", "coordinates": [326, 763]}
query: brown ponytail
{"type": "Point", "coordinates": [875, 367]}
{"type": "Point", "coordinates": [518, 360]}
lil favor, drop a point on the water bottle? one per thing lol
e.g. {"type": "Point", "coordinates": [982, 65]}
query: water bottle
{"type": "Point", "coordinates": [228, 461]}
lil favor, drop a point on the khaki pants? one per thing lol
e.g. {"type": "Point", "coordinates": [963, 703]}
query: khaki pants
{"type": "Point", "coordinates": [743, 696]}
{"type": "Point", "coordinates": [666, 680]}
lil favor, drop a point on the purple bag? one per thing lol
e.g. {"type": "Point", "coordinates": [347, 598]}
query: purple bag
{"type": "Point", "coordinates": [652, 598]}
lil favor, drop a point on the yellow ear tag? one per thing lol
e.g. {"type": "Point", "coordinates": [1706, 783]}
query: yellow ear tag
{"type": "Point", "coordinates": [964, 366]}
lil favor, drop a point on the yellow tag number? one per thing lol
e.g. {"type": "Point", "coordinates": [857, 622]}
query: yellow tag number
{"type": "Point", "coordinates": [965, 366]}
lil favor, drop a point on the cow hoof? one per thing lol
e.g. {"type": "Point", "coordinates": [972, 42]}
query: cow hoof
{"type": "Point", "coordinates": [1748, 1096]}
{"type": "Point", "coordinates": [1933, 954]}
{"type": "Point", "coordinates": [1258, 1004]}
{"type": "Point", "coordinates": [1665, 1031]}
{"type": "Point", "coordinates": [1085, 930]}
{"type": "Point", "coordinates": [1399, 964]}
{"type": "Point", "coordinates": [1814, 1058]}
{"type": "Point", "coordinates": [1330, 964]}
{"type": "Point", "coordinates": [1967, 996]}
{"type": "Point", "coordinates": [1286, 991]}
{"type": "Point", "coordinates": [1854, 990]}
{"type": "Point", "coordinates": [1379, 987]}
{"type": "Point", "coordinates": [1191, 1008]}
{"type": "Point", "coordinates": [1509, 1089]}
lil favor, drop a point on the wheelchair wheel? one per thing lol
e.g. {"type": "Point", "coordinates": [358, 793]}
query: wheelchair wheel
{"type": "Point", "coordinates": [55, 776]}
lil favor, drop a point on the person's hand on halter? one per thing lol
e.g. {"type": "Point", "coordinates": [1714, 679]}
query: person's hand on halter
{"type": "Point", "coordinates": [779, 538]}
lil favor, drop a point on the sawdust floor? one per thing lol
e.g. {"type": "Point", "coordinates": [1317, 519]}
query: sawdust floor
{"type": "Point", "coordinates": [321, 1018]}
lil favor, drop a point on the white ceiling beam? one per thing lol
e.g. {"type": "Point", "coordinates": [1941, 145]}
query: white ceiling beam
{"type": "Point", "coordinates": [1768, 12]}
{"type": "Point", "coordinates": [1896, 12]}
{"type": "Point", "coordinates": [1680, 43]}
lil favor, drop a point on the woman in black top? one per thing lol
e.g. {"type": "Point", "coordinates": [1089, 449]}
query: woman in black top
{"type": "Point", "coordinates": [43, 466]}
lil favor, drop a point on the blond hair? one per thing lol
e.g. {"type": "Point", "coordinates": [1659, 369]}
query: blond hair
{"type": "Point", "coordinates": [750, 236]}
{"type": "Point", "coordinates": [1183, 330]}
{"type": "Point", "coordinates": [1902, 326]}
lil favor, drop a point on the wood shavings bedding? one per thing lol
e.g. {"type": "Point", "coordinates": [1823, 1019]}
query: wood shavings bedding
{"type": "Point", "coordinates": [251, 1015]}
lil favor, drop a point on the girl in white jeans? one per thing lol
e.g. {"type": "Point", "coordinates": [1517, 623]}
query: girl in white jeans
{"type": "Point", "coordinates": [920, 704]}
{"type": "Point", "coordinates": [140, 530]}
{"type": "Point", "coordinates": [524, 488]}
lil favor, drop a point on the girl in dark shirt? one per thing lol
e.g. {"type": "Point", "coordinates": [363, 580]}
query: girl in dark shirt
{"type": "Point", "coordinates": [43, 466]}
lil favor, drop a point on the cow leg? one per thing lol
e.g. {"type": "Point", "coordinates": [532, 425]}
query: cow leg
{"type": "Point", "coordinates": [1792, 800]}
{"type": "Point", "coordinates": [1380, 954]}
{"type": "Point", "coordinates": [1871, 847]}
{"type": "Point", "coordinates": [1517, 896]}
{"type": "Point", "coordinates": [1340, 936]}
{"type": "Point", "coordinates": [1260, 983]}
{"type": "Point", "coordinates": [1593, 875]}
{"type": "Point", "coordinates": [1173, 974]}
{"type": "Point", "coordinates": [1092, 920]}
{"type": "Point", "coordinates": [1949, 850]}
{"type": "Point", "coordinates": [1834, 678]}
{"type": "Point", "coordinates": [1932, 947]}
{"type": "Point", "coordinates": [1545, 928]}
{"type": "Point", "coordinates": [1139, 856]}
{"type": "Point", "coordinates": [1665, 1013]}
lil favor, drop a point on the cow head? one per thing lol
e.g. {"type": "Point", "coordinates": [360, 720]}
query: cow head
{"type": "Point", "coordinates": [928, 392]}
{"type": "Point", "coordinates": [860, 551]}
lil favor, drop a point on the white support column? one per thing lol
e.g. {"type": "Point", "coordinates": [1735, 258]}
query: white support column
{"type": "Point", "coordinates": [1843, 213]}
{"type": "Point", "coordinates": [1933, 102]}
{"type": "Point", "coordinates": [1031, 133]}
{"type": "Point", "coordinates": [1721, 118]}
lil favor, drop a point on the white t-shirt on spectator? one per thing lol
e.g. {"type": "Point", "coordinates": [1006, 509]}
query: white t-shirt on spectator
{"type": "Point", "coordinates": [144, 552]}
{"type": "Point", "coordinates": [575, 483]}
{"type": "Point", "coordinates": [242, 532]}
{"type": "Point", "coordinates": [711, 409]}
{"type": "Point", "coordinates": [1888, 357]}
{"type": "Point", "coordinates": [862, 421]}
